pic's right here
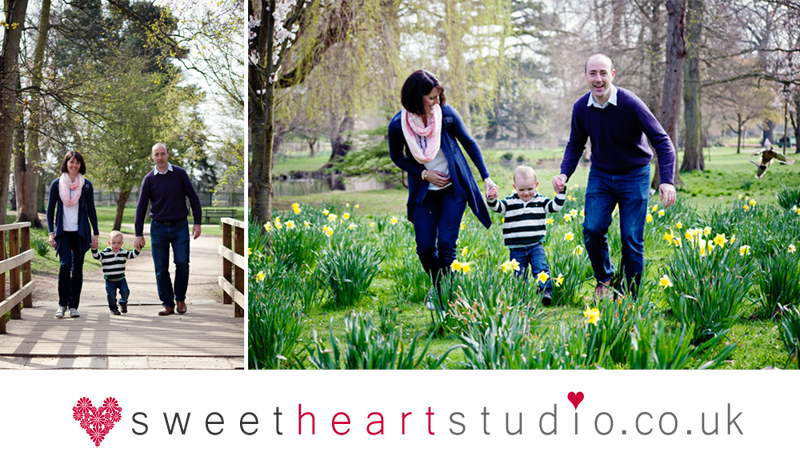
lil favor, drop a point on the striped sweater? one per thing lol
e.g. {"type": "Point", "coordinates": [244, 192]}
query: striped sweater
{"type": "Point", "coordinates": [114, 263]}
{"type": "Point", "coordinates": [525, 221]}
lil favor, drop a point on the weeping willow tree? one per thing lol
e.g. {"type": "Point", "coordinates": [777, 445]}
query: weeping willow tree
{"type": "Point", "coordinates": [338, 61]}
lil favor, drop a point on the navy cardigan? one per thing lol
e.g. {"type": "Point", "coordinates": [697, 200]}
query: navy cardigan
{"type": "Point", "coordinates": [464, 185]}
{"type": "Point", "coordinates": [86, 214]}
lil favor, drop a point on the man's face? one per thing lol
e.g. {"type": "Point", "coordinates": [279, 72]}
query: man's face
{"type": "Point", "coordinates": [525, 187]}
{"type": "Point", "coordinates": [599, 76]}
{"type": "Point", "coordinates": [115, 243]}
{"type": "Point", "coordinates": [161, 157]}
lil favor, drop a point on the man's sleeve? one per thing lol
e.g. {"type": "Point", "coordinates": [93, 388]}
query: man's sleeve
{"type": "Point", "coordinates": [577, 143]}
{"type": "Point", "coordinates": [141, 208]}
{"type": "Point", "coordinates": [194, 200]}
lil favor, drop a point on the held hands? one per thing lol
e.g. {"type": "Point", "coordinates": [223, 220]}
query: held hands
{"type": "Point", "coordinates": [95, 242]}
{"type": "Point", "coordinates": [196, 231]}
{"type": "Point", "coordinates": [560, 183]}
{"type": "Point", "coordinates": [138, 243]}
{"type": "Point", "coordinates": [491, 188]}
{"type": "Point", "coordinates": [667, 194]}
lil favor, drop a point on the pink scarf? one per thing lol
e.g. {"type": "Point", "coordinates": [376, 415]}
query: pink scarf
{"type": "Point", "coordinates": [64, 187]}
{"type": "Point", "coordinates": [423, 141]}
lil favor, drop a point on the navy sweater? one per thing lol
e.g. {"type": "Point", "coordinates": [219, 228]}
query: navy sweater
{"type": "Point", "coordinates": [167, 194]}
{"type": "Point", "coordinates": [619, 137]}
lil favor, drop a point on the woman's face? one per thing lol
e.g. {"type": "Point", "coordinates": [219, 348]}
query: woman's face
{"type": "Point", "coordinates": [430, 99]}
{"type": "Point", "coordinates": [73, 167]}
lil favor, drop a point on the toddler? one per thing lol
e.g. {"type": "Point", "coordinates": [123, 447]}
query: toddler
{"type": "Point", "coordinates": [113, 259]}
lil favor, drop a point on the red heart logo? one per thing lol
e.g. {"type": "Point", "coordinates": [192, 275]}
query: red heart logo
{"type": "Point", "coordinates": [575, 398]}
{"type": "Point", "coordinates": [97, 422]}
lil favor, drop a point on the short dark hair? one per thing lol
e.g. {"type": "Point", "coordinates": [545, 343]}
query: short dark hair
{"type": "Point", "coordinates": [419, 84]}
{"type": "Point", "coordinates": [76, 155]}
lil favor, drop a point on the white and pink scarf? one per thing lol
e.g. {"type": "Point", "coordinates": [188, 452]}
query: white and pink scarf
{"type": "Point", "coordinates": [65, 186]}
{"type": "Point", "coordinates": [423, 141]}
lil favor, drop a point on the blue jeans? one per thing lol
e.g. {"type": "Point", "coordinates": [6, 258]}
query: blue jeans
{"type": "Point", "coordinates": [436, 224]}
{"type": "Point", "coordinates": [631, 192]}
{"type": "Point", "coordinates": [162, 236]}
{"type": "Point", "coordinates": [111, 293]}
{"type": "Point", "coordinates": [534, 256]}
{"type": "Point", "coordinates": [70, 272]}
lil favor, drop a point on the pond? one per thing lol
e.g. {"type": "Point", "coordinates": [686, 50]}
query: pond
{"type": "Point", "coordinates": [295, 187]}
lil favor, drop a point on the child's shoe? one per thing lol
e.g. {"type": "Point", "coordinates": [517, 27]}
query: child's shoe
{"type": "Point", "coordinates": [114, 311]}
{"type": "Point", "coordinates": [123, 307]}
{"type": "Point", "coordinates": [547, 299]}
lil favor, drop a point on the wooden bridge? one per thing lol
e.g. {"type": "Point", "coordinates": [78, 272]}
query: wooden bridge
{"type": "Point", "coordinates": [209, 336]}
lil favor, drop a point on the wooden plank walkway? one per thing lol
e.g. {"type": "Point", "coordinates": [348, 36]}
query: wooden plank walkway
{"type": "Point", "coordinates": [208, 336]}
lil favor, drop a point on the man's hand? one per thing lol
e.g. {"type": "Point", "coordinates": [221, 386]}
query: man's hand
{"type": "Point", "coordinates": [138, 243]}
{"type": "Point", "coordinates": [95, 242]}
{"type": "Point", "coordinates": [560, 183]}
{"type": "Point", "coordinates": [196, 231]}
{"type": "Point", "coordinates": [667, 194]}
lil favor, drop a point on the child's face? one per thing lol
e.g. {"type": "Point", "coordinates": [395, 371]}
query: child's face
{"type": "Point", "coordinates": [115, 243]}
{"type": "Point", "coordinates": [525, 187]}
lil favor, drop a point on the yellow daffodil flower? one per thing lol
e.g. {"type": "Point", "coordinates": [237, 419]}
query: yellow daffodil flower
{"type": "Point", "coordinates": [665, 282]}
{"type": "Point", "coordinates": [351, 226]}
{"type": "Point", "coordinates": [592, 315]}
{"type": "Point", "coordinates": [649, 218]}
{"type": "Point", "coordinates": [753, 202]}
{"type": "Point", "coordinates": [573, 213]}
{"type": "Point", "coordinates": [569, 236]}
{"type": "Point", "coordinates": [542, 277]}
{"type": "Point", "coordinates": [277, 223]}
{"type": "Point", "coordinates": [792, 248]}
{"type": "Point", "coordinates": [332, 217]}
{"type": "Point", "coordinates": [668, 236]}
{"type": "Point", "coordinates": [268, 227]}
{"type": "Point", "coordinates": [290, 224]}
{"type": "Point", "coordinates": [732, 239]}
{"type": "Point", "coordinates": [720, 239]}
{"type": "Point", "coordinates": [707, 231]}
{"type": "Point", "coordinates": [465, 267]}
{"type": "Point", "coordinates": [583, 214]}
{"type": "Point", "coordinates": [393, 220]}
{"type": "Point", "coordinates": [371, 224]}
{"type": "Point", "coordinates": [661, 213]}
{"type": "Point", "coordinates": [328, 231]}
{"type": "Point", "coordinates": [464, 251]}
{"type": "Point", "coordinates": [456, 265]}
{"type": "Point", "coordinates": [746, 208]}
{"type": "Point", "coordinates": [346, 216]}
{"type": "Point", "coordinates": [578, 250]}
{"type": "Point", "coordinates": [679, 225]}
{"type": "Point", "coordinates": [249, 251]}
{"type": "Point", "coordinates": [744, 250]}
{"type": "Point", "coordinates": [355, 207]}
{"type": "Point", "coordinates": [653, 208]}
{"type": "Point", "coordinates": [567, 218]}
{"type": "Point", "coordinates": [260, 276]}
{"type": "Point", "coordinates": [463, 226]}
{"type": "Point", "coordinates": [306, 224]}
{"type": "Point", "coordinates": [677, 242]}
{"type": "Point", "coordinates": [559, 281]}
{"type": "Point", "coordinates": [549, 221]}
{"type": "Point", "coordinates": [325, 212]}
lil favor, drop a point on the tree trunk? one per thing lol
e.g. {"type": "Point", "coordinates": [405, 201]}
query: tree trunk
{"type": "Point", "coordinates": [693, 144]}
{"type": "Point", "coordinates": [311, 143]}
{"type": "Point", "coordinates": [18, 153]}
{"type": "Point", "coordinates": [124, 193]}
{"type": "Point", "coordinates": [672, 95]}
{"type": "Point", "coordinates": [740, 129]}
{"type": "Point", "coordinates": [796, 119]}
{"type": "Point", "coordinates": [340, 139]}
{"type": "Point", "coordinates": [15, 17]}
{"type": "Point", "coordinates": [767, 133]}
{"type": "Point", "coordinates": [28, 176]}
{"type": "Point", "coordinates": [262, 99]}
{"type": "Point", "coordinates": [654, 76]}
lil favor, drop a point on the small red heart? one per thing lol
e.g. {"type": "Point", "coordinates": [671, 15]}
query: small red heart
{"type": "Point", "coordinates": [575, 398]}
{"type": "Point", "coordinates": [97, 422]}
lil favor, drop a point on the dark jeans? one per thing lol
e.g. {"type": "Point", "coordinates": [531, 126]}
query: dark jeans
{"type": "Point", "coordinates": [534, 256]}
{"type": "Point", "coordinates": [111, 292]}
{"type": "Point", "coordinates": [70, 273]}
{"type": "Point", "coordinates": [436, 224]}
{"type": "Point", "coordinates": [631, 192]}
{"type": "Point", "coordinates": [162, 236]}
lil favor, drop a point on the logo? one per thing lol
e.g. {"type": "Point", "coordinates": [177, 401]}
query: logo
{"type": "Point", "coordinates": [575, 399]}
{"type": "Point", "coordinates": [97, 422]}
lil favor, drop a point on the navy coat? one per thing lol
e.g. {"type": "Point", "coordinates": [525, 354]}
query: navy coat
{"type": "Point", "coordinates": [86, 214]}
{"type": "Point", "coordinates": [464, 185]}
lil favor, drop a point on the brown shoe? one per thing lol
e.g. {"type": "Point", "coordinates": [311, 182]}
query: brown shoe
{"type": "Point", "coordinates": [167, 311]}
{"type": "Point", "coordinates": [601, 290]}
{"type": "Point", "coordinates": [180, 307]}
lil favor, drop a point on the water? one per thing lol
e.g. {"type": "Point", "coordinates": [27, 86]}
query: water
{"type": "Point", "coordinates": [295, 187]}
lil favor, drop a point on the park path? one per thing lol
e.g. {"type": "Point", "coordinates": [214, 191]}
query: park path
{"type": "Point", "coordinates": [208, 336]}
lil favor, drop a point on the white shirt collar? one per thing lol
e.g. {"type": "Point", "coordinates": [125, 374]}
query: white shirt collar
{"type": "Point", "coordinates": [611, 99]}
{"type": "Point", "coordinates": [169, 169]}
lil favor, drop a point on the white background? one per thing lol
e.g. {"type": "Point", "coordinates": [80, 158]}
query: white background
{"type": "Point", "coordinates": [36, 423]}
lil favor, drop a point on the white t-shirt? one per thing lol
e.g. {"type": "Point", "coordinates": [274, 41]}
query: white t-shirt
{"type": "Point", "coordinates": [438, 163]}
{"type": "Point", "coordinates": [70, 216]}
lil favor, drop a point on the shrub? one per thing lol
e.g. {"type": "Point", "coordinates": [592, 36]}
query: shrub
{"type": "Point", "coordinates": [778, 282]}
{"type": "Point", "coordinates": [348, 270]}
{"type": "Point", "coordinates": [40, 244]}
{"type": "Point", "coordinates": [790, 335]}
{"type": "Point", "coordinates": [275, 325]}
{"type": "Point", "coordinates": [655, 347]}
{"type": "Point", "coordinates": [788, 197]}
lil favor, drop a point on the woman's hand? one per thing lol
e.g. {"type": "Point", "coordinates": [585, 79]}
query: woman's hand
{"type": "Point", "coordinates": [489, 184]}
{"type": "Point", "coordinates": [95, 242]}
{"type": "Point", "coordinates": [437, 178]}
{"type": "Point", "coordinates": [53, 239]}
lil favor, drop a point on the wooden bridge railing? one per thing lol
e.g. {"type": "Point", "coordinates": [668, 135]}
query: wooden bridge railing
{"type": "Point", "coordinates": [234, 264]}
{"type": "Point", "coordinates": [19, 261]}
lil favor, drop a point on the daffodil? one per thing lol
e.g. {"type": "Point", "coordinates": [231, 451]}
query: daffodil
{"type": "Point", "coordinates": [668, 236]}
{"type": "Point", "coordinates": [592, 315]}
{"type": "Point", "coordinates": [325, 212]}
{"type": "Point", "coordinates": [510, 265]}
{"type": "Point", "coordinates": [583, 214]}
{"type": "Point", "coordinates": [268, 227]}
{"type": "Point", "coordinates": [464, 251]}
{"type": "Point", "coordinates": [332, 217]}
{"type": "Point", "coordinates": [578, 250]}
{"type": "Point", "coordinates": [732, 239]}
{"type": "Point", "coordinates": [559, 280]}
{"type": "Point", "coordinates": [260, 276]}
{"type": "Point", "coordinates": [296, 208]}
{"type": "Point", "coordinates": [351, 226]}
{"type": "Point", "coordinates": [567, 218]}
{"type": "Point", "coordinates": [465, 267]}
{"type": "Point", "coordinates": [542, 277]}
{"type": "Point", "coordinates": [328, 231]}
{"type": "Point", "coordinates": [677, 242]}
{"type": "Point", "coordinates": [347, 205]}
{"type": "Point", "coordinates": [744, 250]}
{"type": "Point", "coordinates": [707, 231]}
{"type": "Point", "coordinates": [720, 239]}
{"type": "Point", "coordinates": [355, 207]}
{"type": "Point", "coordinates": [463, 226]}
{"type": "Point", "coordinates": [277, 223]}
{"type": "Point", "coordinates": [665, 282]}
{"type": "Point", "coordinates": [393, 220]}
{"type": "Point", "coordinates": [653, 208]}
{"type": "Point", "coordinates": [346, 216]}
{"type": "Point", "coordinates": [289, 224]}
{"type": "Point", "coordinates": [746, 208]}
{"type": "Point", "coordinates": [753, 202]}
{"type": "Point", "coordinates": [573, 213]}
{"type": "Point", "coordinates": [371, 224]}
{"type": "Point", "coordinates": [678, 225]}
{"type": "Point", "coordinates": [792, 248]}
{"type": "Point", "coordinates": [295, 205]}
{"type": "Point", "coordinates": [649, 218]}
{"type": "Point", "coordinates": [249, 251]}
{"type": "Point", "coordinates": [455, 266]}
{"type": "Point", "coordinates": [549, 221]}
{"type": "Point", "coordinates": [306, 224]}
{"type": "Point", "coordinates": [569, 236]}
{"type": "Point", "coordinates": [661, 213]}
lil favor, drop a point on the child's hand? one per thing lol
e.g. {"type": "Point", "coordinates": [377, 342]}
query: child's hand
{"type": "Point", "coordinates": [491, 194]}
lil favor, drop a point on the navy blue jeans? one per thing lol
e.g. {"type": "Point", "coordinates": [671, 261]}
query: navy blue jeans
{"type": "Point", "coordinates": [111, 292]}
{"type": "Point", "coordinates": [534, 256]}
{"type": "Point", "coordinates": [70, 272]}
{"type": "Point", "coordinates": [631, 191]}
{"type": "Point", "coordinates": [162, 236]}
{"type": "Point", "coordinates": [436, 224]}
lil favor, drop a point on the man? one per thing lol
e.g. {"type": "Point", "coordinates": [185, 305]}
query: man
{"type": "Point", "coordinates": [619, 125]}
{"type": "Point", "coordinates": [166, 189]}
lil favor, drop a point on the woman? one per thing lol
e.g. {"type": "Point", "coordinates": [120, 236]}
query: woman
{"type": "Point", "coordinates": [72, 236]}
{"type": "Point", "coordinates": [422, 142]}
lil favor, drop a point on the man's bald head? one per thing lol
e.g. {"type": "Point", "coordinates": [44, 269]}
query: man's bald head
{"type": "Point", "coordinates": [163, 145]}
{"type": "Point", "coordinates": [605, 58]}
